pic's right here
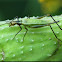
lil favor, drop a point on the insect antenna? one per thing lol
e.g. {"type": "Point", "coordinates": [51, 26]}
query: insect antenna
{"type": "Point", "coordinates": [55, 21]}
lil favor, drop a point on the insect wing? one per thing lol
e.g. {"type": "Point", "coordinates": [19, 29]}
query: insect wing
{"type": "Point", "coordinates": [37, 21]}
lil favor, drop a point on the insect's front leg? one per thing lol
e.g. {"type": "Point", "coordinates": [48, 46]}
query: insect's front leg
{"type": "Point", "coordinates": [18, 31]}
{"type": "Point", "coordinates": [25, 32]}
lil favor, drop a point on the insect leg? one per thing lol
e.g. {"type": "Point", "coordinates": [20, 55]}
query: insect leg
{"type": "Point", "coordinates": [18, 31]}
{"type": "Point", "coordinates": [25, 32]}
{"type": "Point", "coordinates": [58, 42]}
{"type": "Point", "coordinates": [54, 33]}
{"type": "Point", "coordinates": [55, 21]}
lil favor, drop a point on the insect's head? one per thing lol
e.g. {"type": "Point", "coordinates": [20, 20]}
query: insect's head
{"type": "Point", "coordinates": [12, 23]}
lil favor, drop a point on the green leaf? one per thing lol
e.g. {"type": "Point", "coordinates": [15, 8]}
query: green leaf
{"type": "Point", "coordinates": [39, 43]}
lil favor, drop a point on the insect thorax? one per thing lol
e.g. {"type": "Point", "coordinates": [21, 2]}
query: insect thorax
{"type": "Point", "coordinates": [12, 23]}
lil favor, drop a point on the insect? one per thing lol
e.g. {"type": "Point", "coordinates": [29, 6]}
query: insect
{"type": "Point", "coordinates": [33, 25]}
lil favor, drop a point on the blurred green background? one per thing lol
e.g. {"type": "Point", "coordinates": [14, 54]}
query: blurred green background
{"type": "Point", "coordinates": [21, 8]}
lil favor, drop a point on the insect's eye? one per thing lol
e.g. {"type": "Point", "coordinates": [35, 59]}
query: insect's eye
{"type": "Point", "coordinates": [10, 24]}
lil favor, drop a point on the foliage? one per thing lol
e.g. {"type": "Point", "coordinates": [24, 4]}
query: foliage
{"type": "Point", "coordinates": [39, 44]}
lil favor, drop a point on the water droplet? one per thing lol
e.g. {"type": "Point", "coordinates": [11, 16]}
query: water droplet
{"type": "Point", "coordinates": [20, 18]}
{"type": "Point", "coordinates": [21, 41]}
{"type": "Point", "coordinates": [11, 38]}
{"type": "Point", "coordinates": [49, 38]}
{"type": "Point", "coordinates": [21, 52]}
{"type": "Point", "coordinates": [48, 54]}
{"type": "Point", "coordinates": [43, 44]}
{"type": "Point", "coordinates": [54, 42]}
{"type": "Point", "coordinates": [19, 33]}
{"type": "Point", "coordinates": [17, 41]}
{"type": "Point", "coordinates": [2, 59]}
{"type": "Point", "coordinates": [2, 36]}
{"type": "Point", "coordinates": [26, 17]}
{"type": "Point", "coordinates": [16, 19]}
{"type": "Point", "coordinates": [24, 32]}
{"type": "Point", "coordinates": [7, 21]}
{"type": "Point", "coordinates": [2, 53]}
{"type": "Point", "coordinates": [22, 47]}
{"type": "Point", "coordinates": [2, 28]}
{"type": "Point", "coordinates": [34, 17]}
{"type": "Point", "coordinates": [37, 17]}
{"type": "Point", "coordinates": [7, 39]}
{"type": "Point", "coordinates": [16, 38]}
{"type": "Point", "coordinates": [32, 40]}
{"type": "Point", "coordinates": [57, 32]}
{"type": "Point", "coordinates": [59, 23]}
{"type": "Point", "coordinates": [32, 32]}
{"type": "Point", "coordinates": [30, 49]}
{"type": "Point", "coordinates": [13, 55]}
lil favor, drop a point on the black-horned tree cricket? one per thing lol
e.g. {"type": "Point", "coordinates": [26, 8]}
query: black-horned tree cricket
{"type": "Point", "coordinates": [19, 23]}
{"type": "Point", "coordinates": [32, 25]}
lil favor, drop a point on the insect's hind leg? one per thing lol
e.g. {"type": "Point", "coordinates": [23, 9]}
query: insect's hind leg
{"type": "Point", "coordinates": [54, 33]}
{"type": "Point", "coordinates": [58, 42]}
{"type": "Point", "coordinates": [18, 31]}
{"type": "Point", "coordinates": [55, 21]}
{"type": "Point", "coordinates": [25, 32]}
